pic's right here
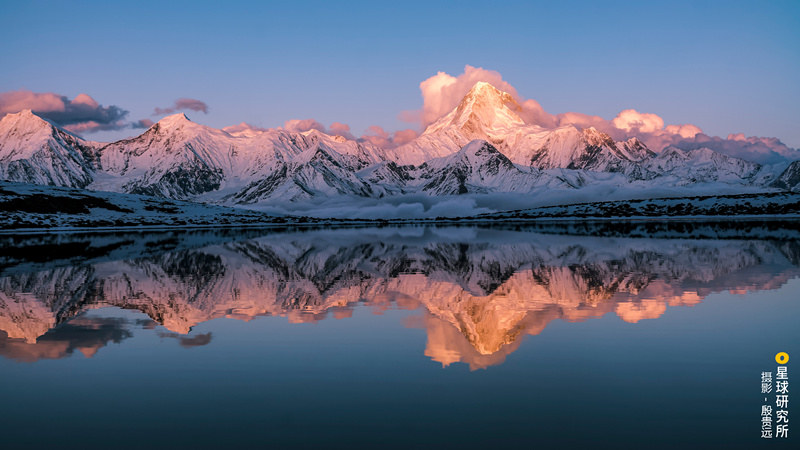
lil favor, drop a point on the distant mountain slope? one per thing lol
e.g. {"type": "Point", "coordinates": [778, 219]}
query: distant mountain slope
{"type": "Point", "coordinates": [701, 165]}
{"type": "Point", "coordinates": [314, 172]}
{"type": "Point", "coordinates": [789, 178]}
{"type": "Point", "coordinates": [476, 168]}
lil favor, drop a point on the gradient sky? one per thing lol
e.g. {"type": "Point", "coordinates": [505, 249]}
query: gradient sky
{"type": "Point", "coordinates": [727, 67]}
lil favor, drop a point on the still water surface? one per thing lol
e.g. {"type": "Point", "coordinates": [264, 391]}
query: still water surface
{"type": "Point", "coordinates": [409, 337]}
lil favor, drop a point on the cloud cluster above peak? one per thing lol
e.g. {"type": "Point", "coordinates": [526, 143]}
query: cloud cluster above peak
{"type": "Point", "coordinates": [82, 114]}
{"type": "Point", "coordinates": [443, 92]}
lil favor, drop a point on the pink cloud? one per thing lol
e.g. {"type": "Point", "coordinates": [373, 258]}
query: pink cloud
{"type": "Point", "coordinates": [633, 121]}
{"type": "Point", "coordinates": [244, 126]}
{"type": "Point", "coordinates": [648, 127]}
{"type": "Point", "coordinates": [336, 129]}
{"type": "Point", "coordinates": [377, 136]}
{"type": "Point", "coordinates": [404, 136]}
{"type": "Point", "coordinates": [144, 123]}
{"type": "Point", "coordinates": [84, 99]}
{"type": "Point", "coordinates": [381, 138]}
{"type": "Point", "coordinates": [534, 114]}
{"type": "Point", "coordinates": [685, 131]}
{"type": "Point", "coordinates": [737, 137]}
{"type": "Point", "coordinates": [299, 126]}
{"type": "Point", "coordinates": [189, 104]}
{"type": "Point", "coordinates": [83, 114]}
{"type": "Point", "coordinates": [672, 134]}
{"type": "Point", "coordinates": [341, 129]}
{"type": "Point", "coordinates": [580, 121]}
{"type": "Point", "coordinates": [16, 101]}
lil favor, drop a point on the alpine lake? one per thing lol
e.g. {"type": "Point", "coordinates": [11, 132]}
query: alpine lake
{"type": "Point", "coordinates": [523, 335]}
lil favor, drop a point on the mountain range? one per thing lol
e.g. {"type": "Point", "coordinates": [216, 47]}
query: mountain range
{"type": "Point", "coordinates": [482, 146]}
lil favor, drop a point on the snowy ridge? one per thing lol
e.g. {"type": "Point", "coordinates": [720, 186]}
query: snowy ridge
{"type": "Point", "coordinates": [476, 168]}
{"type": "Point", "coordinates": [314, 172]}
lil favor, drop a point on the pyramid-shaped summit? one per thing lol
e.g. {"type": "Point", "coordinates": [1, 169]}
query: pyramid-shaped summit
{"type": "Point", "coordinates": [35, 150]}
{"type": "Point", "coordinates": [483, 110]}
{"type": "Point", "coordinates": [174, 119]}
{"type": "Point", "coordinates": [23, 123]}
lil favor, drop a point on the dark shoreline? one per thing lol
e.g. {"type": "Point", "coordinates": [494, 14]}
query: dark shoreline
{"type": "Point", "coordinates": [574, 225]}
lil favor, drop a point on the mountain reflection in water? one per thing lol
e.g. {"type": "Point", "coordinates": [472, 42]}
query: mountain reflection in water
{"type": "Point", "coordinates": [480, 289]}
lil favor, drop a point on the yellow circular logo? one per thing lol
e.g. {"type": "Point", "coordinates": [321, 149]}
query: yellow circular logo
{"type": "Point", "coordinates": [782, 358]}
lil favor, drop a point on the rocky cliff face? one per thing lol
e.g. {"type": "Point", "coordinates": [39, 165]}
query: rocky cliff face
{"type": "Point", "coordinates": [789, 178]}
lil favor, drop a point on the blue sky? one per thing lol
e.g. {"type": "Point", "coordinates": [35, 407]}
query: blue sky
{"type": "Point", "coordinates": [727, 67]}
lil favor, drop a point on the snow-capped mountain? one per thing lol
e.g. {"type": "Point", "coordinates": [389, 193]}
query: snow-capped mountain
{"type": "Point", "coordinates": [484, 113]}
{"type": "Point", "coordinates": [481, 146]}
{"type": "Point", "coordinates": [34, 150]}
{"type": "Point", "coordinates": [175, 158]}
